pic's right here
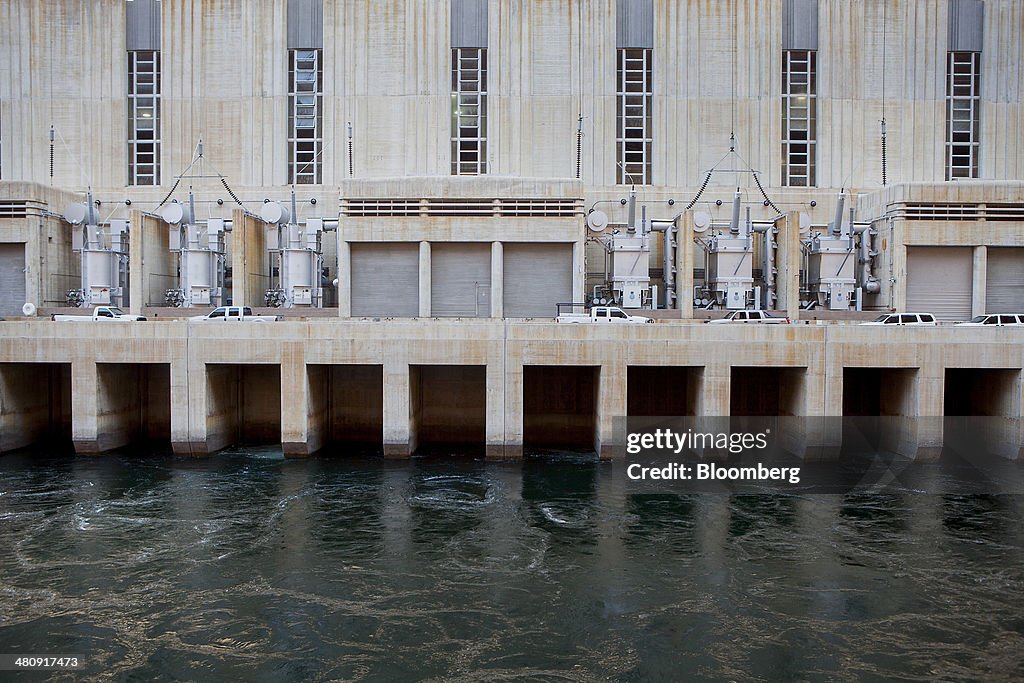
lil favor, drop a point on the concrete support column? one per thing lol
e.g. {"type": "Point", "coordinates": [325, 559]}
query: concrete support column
{"type": "Point", "coordinates": [513, 409]}
{"type": "Point", "coordinates": [136, 263]}
{"type": "Point", "coordinates": [611, 404]}
{"type": "Point", "coordinates": [497, 280]}
{"type": "Point", "coordinates": [424, 279]}
{"type": "Point", "coordinates": [931, 379]}
{"type": "Point", "coordinates": [344, 278]}
{"type": "Point", "coordinates": [684, 264]}
{"type": "Point", "coordinates": [181, 435]}
{"type": "Point", "coordinates": [399, 441]}
{"type": "Point", "coordinates": [84, 408]}
{"type": "Point", "coordinates": [495, 428]}
{"type": "Point", "coordinates": [788, 259]}
{"type": "Point", "coordinates": [899, 267]}
{"type": "Point", "coordinates": [295, 413]}
{"type": "Point", "coordinates": [198, 417]}
{"type": "Point", "coordinates": [716, 392]}
{"type": "Point", "coordinates": [579, 270]}
{"type": "Point", "coordinates": [979, 283]}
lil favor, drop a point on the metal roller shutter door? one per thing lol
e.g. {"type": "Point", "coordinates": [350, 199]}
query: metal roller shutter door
{"type": "Point", "coordinates": [460, 280]}
{"type": "Point", "coordinates": [939, 281]}
{"type": "Point", "coordinates": [1005, 290]}
{"type": "Point", "coordinates": [536, 278]}
{"type": "Point", "coordinates": [12, 278]}
{"type": "Point", "coordinates": [386, 279]}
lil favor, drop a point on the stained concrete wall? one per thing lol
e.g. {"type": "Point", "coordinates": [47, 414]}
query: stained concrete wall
{"type": "Point", "coordinates": [449, 404]}
{"type": "Point", "coordinates": [133, 404]}
{"type": "Point", "coordinates": [250, 263]}
{"type": "Point", "coordinates": [152, 266]}
{"type": "Point", "coordinates": [560, 406]}
{"type": "Point", "coordinates": [243, 405]}
{"type": "Point", "coordinates": [35, 404]}
{"type": "Point", "coordinates": [717, 68]}
{"type": "Point", "coordinates": [201, 420]}
{"type": "Point", "coordinates": [663, 391]}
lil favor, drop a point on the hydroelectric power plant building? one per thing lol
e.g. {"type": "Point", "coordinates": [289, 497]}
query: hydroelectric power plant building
{"type": "Point", "coordinates": [415, 186]}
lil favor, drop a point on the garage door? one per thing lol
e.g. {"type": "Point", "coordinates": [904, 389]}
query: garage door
{"type": "Point", "coordinates": [1005, 290]}
{"type": "Point", "coordinates": [460, 279]}
{"type": "Point", "coordinates": [12, 278]}
{"type": "Point", "coordinates": [385, 279]}
{"type": "Point", "coordinates": [537, 277]}
{"type": "Point", "coordinates": [939, 281]}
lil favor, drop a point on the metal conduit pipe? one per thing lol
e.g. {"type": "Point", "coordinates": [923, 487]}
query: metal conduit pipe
{"type": "Point", "coordinates": [866, 259]}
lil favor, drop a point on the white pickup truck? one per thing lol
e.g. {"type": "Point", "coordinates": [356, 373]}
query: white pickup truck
{"type": "Point", "coordinates": [101, 313]}
{"type": "Point", "coordinates": [234, 314]}
{"type": "Point", "coordinates": [750, 317]}
{"type": "Point", "coordinates": [603, 314]}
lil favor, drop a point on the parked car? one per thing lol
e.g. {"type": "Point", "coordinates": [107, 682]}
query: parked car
{"type": "Point", "coordinates": [234, 314]}
{"type": "Point", "coordinates": [750, 317]}
{"type": "Point", "coordinates": [102, 314]}
{"type": "Point", "coordinates": [603, 314]}
{"type": "Point", "coordinates": [903, 319]}
{"type": "Point", "coordinates": [996, 319]}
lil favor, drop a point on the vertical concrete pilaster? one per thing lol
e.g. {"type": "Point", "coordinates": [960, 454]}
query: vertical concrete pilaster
{"type": "Point", "coordinates": [930, 409]}
{"type": "Point", "coordinates": [198, 398]}
{"type": "Point", "coordinates": [497, 280]}
{"type": "Point", "coordinates": [788, 259]}
{"type": "Point", "coordinates": [494, 430]}
{"type": "Point", "coordinates": [716, 392]}
{"type": "Point", "coordinates": [344, 278]}
{"type": "Point", "coordinates": [611, 404]}
{"type": "Point", "coordinates": [424, 279]}
{"type": "Point", "coordinates": [684, 264]}
{"type": "Point", "coordinates": [899, 267]}
{"type": "Point", "coordinates": [84, 408]}
{"type": "Point", "coordinates": [513, 408]}
{"type": "Point", "coordinates": [181, 434]}
{"type": "Point", "coordinates": [136, 279]}
{"type": "Point", "coordinates": [979, 282]}
{"type": "Point", "coordinates": [579, 270]}
{"type": "Point", "coordinates": [398, 438]}
{"type": "Point", "coordinates": [295, 401]}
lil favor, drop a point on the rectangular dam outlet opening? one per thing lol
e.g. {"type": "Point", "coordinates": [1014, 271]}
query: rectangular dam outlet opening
{"type": "Point", "coordinates": [133, 405]}
{"type": "Point", "coordinates": [767, 391]}
{"type": "Point", "coordinates": [663, 391]}
{"type": "Point", "coordinates": [243, 405]}
{"type": "Point", "coordinates": [982, 412]}
{"type": "Point", "coordinates": [982, 392]}
{"type": "Point", "coordinates": [879, 392]}
{"type": "Point", "coordinates": [889, 394]}
{"type": "Point", "coordinates": [560, 406]}
{"type": "Point", "coordinates": [448, 408]}
{"type": "Point", "coordinates": [346, 407]}
{"type": "Point", "coordinates": [35, 406]}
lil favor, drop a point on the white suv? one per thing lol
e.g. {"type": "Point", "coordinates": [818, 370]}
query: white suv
{"type": "Point", "coordinates": [997, 320]}
{"type": "Point", "coordinates": [902, 319]}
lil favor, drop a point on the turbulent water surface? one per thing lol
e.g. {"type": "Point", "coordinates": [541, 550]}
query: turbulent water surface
{"type": "Point", "coordinates": [246, 566]}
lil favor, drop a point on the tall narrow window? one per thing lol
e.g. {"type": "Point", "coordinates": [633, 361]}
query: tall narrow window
{"type": "Point", "coordinates": [469, 111]}
{"type": "Point", "coordinates": [635, 92]}
{"type": "Point", "coordinates": [963, 99]}
{"type": "Point", "coordinates": [305, 120]}
{"type": "Point", "coordinates": [144, 117]}
{"type": "Point", "coordinates": [799, 117]}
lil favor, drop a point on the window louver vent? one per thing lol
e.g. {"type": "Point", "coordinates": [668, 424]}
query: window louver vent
{"type": "Point", "coordinates": [444, 206]}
